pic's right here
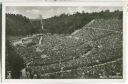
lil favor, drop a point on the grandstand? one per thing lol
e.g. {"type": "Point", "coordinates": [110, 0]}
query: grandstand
{"type": "Point", "coordinates": [95, 51]}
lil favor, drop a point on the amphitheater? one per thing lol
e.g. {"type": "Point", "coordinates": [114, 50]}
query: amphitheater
{"type": "Point", "coordinates": [94, 51]}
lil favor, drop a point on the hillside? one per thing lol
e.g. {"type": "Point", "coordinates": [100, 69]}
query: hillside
{"type": "Point", "coordinates": [18, 25]}
{"type": "Point", "coordinates": [94, 51]}
{"type": "Point", "coordinates": [66, 24]}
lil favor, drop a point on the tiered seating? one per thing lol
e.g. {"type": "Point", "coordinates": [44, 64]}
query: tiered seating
{"type": "Point", "coordinates": [108, 24]}
{"type": "Point", "coordinates": [66, 55]}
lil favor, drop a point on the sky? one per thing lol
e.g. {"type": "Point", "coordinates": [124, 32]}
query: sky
{"type": "Point", "coordinates": [50, 11]}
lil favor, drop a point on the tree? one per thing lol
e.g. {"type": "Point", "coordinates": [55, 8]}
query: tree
{"type": "Point", "coordinates": [14, 62]}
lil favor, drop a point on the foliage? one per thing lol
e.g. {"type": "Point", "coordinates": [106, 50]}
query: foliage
{"type": "Point", "coordinates": [18, 25]}
{"type": "Point", "coordinates": [14, 62]}
{"type": "Point", "coordinates": [62, 24]}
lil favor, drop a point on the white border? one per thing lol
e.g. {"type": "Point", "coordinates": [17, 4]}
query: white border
{"type": "Point", "coordinates": [1, 46]}
{"type": "Point", "coordinates": [65, 81]}
{"type": "Point", "coordinates": [39, 1]}
{"type": "Point", "coordinates": [107, 3]}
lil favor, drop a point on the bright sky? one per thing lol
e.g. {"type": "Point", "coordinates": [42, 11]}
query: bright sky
{"type": "Point", "coordinates": [50, 11]}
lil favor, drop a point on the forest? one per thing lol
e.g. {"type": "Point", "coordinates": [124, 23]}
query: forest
{"type": "Point", "coordinates": [18, 25]}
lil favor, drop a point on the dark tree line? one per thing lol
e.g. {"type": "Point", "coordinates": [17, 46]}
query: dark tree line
{"type": "Point", "coordinates": [66, 24]}
{"type": "Point", "coordinates": [19, 25]}
{"type": "Point", "coordinates": [14, 62]}
{"type": "Point", "coordinates": [62, 24]}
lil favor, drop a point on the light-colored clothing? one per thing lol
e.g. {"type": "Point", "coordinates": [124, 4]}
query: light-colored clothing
{"type": "Point", "coordinates": [9, 76]}
{"type": "Point", "coordinates": [23, 74]}
{"type": "Point", "coordinates": [35, 76]}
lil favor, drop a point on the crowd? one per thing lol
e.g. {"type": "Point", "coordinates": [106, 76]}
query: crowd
{"type": "Point", "coordinates": [60, 53]}
{"type": "Point", "coordinates": [109, 24]}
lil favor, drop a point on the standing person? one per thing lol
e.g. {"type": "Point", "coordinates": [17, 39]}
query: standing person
{"type": "Point", "coordinates": [31, 74]}
{"type": "Point", "coordinates": [23, 74]}
{"type": "Point", "coordinates": [28, 71]}
{"type": "Point", "coordinates": [35, 76]}
{"type": "Point", "coordinates": [9, 75]}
